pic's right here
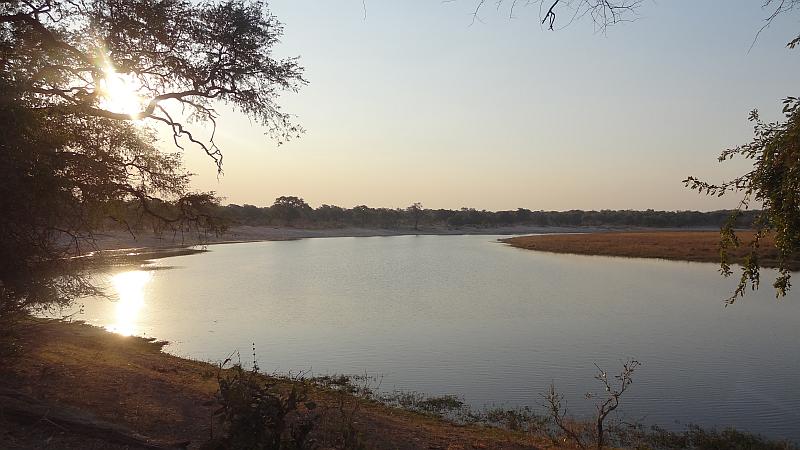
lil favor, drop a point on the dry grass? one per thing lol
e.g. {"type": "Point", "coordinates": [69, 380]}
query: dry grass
{"type": "Point", "coordinates": [129, 381]}
{"type": "Point", "coordinates": [701, 246]}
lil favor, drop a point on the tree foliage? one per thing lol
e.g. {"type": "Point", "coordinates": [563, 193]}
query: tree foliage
{"type": "Point", "coordinates": [417, 217]}
{"type": "Point", "coordinates": [416, 211]}
{"type": "Point", "coordinates": [62, 177]}
{"type": "Point", "coordinates": [774, 184]}
{"type": "Point", "coordinates": [63, 55]}
{"type": "Point", "coordinates": [81, 85]}
{"type": "Point", "coordinates": [289, 208]}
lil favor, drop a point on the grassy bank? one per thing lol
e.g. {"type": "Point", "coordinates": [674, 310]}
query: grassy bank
{"type": "Point", "coordinates": [700, 246]}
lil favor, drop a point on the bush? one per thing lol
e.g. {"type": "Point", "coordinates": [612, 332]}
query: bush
{"type": "Point", "coordinates": [256, 415]}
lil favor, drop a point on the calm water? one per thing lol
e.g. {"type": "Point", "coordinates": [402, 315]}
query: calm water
{"type": "Point", "coordinates": [469, 316]}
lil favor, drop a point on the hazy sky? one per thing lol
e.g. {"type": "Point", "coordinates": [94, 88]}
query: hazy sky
{"type": "Point", "coordinates": [414, 104]}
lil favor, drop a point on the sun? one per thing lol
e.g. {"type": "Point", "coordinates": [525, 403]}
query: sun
{"type": "Point", "coordinates": [120, 93]}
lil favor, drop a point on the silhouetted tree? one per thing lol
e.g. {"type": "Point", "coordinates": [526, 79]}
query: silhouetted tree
{"type": "Point", "coordinates": [71, 156]}
{"type": "Point", "coordinates": [289, 208]}
{"type": "Point", "coordinates": [329, 214]}
{"type": "Point", "coordinates": [415, 210]}
{"type": "Point", "coordinates": [361, 215]}
{"type": "Point", "coordinates": [62, 57]}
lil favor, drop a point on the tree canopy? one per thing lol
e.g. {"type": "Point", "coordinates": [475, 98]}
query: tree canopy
{"type": "Point", "coordinates": [65, 57]}
{"type": "Point", "coordinates": [84, 85]}
{"type": "Point", "coordinates": [289, 208]}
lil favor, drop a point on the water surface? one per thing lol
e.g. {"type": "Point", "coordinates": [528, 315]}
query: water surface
{"type": "Point", "coordinates": [469, 316]}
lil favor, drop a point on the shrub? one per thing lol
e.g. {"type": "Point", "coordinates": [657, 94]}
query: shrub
{"type": "Point", "coordinates": [256, 415]}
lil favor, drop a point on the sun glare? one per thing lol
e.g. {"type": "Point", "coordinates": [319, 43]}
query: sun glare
{"type": "Point", "coordinates": [120, 93]}
{"type": "Point", "coordinates": [130, 292]}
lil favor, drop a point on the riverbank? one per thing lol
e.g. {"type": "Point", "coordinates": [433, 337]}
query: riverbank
{"type": "Point", "coordinates": [119, 239]}
{"type": "Point", "coordinates": [126, 387]}
{"type": "Point", "coordinates": [75, 386]}
{"type": "Point", "coordinates": [698, 246]}
{"type": "Point", "coordinates": [145, 391]}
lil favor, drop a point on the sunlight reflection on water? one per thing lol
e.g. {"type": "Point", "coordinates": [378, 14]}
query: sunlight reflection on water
{"type": "Point", "coordinates": [129, 287]}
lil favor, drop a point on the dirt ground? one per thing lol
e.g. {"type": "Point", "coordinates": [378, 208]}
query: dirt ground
{"type": "Point", "coordinates": [129, 382]}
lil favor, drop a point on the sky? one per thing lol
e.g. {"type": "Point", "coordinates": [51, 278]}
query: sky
{"type": "Point", "coordinates": [412, 102]}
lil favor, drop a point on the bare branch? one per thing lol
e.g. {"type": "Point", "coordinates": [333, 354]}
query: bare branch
{"type": "Point", "coordinates": [603, 12]}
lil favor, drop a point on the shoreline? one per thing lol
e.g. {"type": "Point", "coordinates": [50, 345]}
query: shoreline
{"type": "Point", "coordinates": [73, 385]}
{"type": "Point", "coordinates": [119, 240]}
{"type": "Point", "coordinates": [119, 248]}
{"type": "Point", "coordinates": [99, 388]}
{"type": "Point", "coordinates": [690, 245]}
{"type": "Point", "coordinates": [131, 382]}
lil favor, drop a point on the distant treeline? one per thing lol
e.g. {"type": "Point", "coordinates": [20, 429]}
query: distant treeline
{"type": "Point", "coordinates": [295, 212]}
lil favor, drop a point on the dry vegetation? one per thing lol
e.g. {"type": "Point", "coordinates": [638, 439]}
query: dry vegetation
{"type": "Point", "coordinates": [130, 382]}
{"type": "Point", "coordinates": [701, 246]}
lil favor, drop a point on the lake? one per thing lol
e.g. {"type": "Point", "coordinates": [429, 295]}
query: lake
{"type": "Point", "coordinates": [469, 316]}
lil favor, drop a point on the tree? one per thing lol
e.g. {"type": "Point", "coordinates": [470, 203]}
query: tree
{"type": "Point", "coordinates": [68, 57]}
{"type": "Point", "coordinates": [608, 402]}
{"type": "Point", "coordinates": [774, 183]}
{"type": "Point", "coordinates": [416, 213]}
{"type": "Point", "coordinates": [329, 215]}
{"type": "Point", "coordinates": [290, 208]}
{"type": "Point", "coordinates": [80, 82]}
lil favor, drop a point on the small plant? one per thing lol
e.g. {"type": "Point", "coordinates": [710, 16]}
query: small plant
{"type": "Point", "coordinates": [558, 416]}
{"type": "Point", "coordinates": [256, 415]}
{"type": "Point", "coordinates": [612, 394]}
{"type": "Point", "coordinates": [609, 402]}
{"type": "Point", "coordinates": [520, 419]}
{"type": "Point", "coordinates": [350, 391]}
{"type": "Point", "coordinates": [415, 401]}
